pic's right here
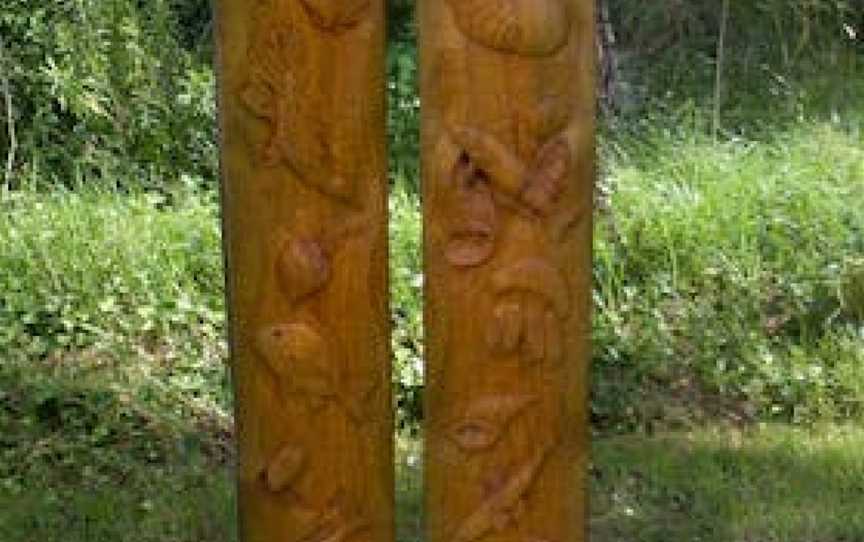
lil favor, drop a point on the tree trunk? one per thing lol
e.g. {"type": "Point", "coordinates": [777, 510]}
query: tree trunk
{"type": "Point", "coordinates": [607, 61]}
{"type": "Point", "coordinates": [508, 92]}
{"type": "Point", "coordinates": [304, 201]}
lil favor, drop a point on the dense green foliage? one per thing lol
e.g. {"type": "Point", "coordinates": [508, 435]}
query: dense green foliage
{"type": "Point", "coordinates": [107, 92]}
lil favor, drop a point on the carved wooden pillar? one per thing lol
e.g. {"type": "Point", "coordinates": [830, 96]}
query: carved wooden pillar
{"type": "Point", "coordinates": [304, 200]}
{"type": "Point", "coordinates": [508, 158]}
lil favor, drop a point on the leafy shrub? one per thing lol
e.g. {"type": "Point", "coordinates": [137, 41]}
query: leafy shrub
{"type": "Point", "coordinates": [104, 92]}
{"type": "Point", "coordinates": [96, 278]}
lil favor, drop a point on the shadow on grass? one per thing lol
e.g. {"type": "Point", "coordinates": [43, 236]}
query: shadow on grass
{"type": "Point", "coordinates": [774, 484]}
{"type": "Point", "coordinates": [78, 466]}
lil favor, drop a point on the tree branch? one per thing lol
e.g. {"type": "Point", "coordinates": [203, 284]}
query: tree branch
{"type": "Point", "coordinates": [10, 118]}
{"type": "Point", "coordinates": [718, 79]}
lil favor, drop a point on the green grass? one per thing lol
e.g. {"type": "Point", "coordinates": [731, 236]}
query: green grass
{"type": "Point", "coordinates": [766, 484]}
{"type": "Point", "coordinates": [153, 505]}
{"type": "Point", "coordinates": [728, 278]}
{"type": "Point", "coordinates": [729, 287]}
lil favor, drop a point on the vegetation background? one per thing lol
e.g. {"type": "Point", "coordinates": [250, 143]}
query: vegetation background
{"type": "Point", "coordinates": [728, 370]}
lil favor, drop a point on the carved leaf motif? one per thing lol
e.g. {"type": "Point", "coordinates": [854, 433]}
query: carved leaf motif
{"type": "Point", "coordinates": [298, 355]}
{"type": "Point", "coordinates": [284, 469]}
{"type": "Point", "coordinates": [486, 420]}
{"type": "Point", "coordinates": [537, 186]}
{"type": "Point", "coordinates": [302, 267]}
{"type": "Point", "coordinates": [547, 176]}
{"type": "Point", "coordinates": [338, 522]}
{"type": "Point", "coordinates": [335, 14]}
{"type": "Point", "coordinates": [524, 27]}
{"type": "Point", "coordinates": [503, 502]}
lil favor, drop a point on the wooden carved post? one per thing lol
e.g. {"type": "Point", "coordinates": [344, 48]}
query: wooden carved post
{"type": "Point", "coordinates": [304, 201]}
{"type": "Point", "coordinates": [508, 158]}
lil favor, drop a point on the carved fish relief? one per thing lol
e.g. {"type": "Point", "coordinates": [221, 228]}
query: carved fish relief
{"type": "Point", "coordinates": [336, 14]}
{"type": "Point", "coordinates": [486, 420]}
{"type": "Point", "coordinates": [297, 355]}
{"type": "Point", "coordinates": [533, 300]}
{"type": "Point", "coordinates": [287, 91]}
{"type": "Point", "coordinates": [503, 502]}
{"type": "Point", "coordinates": [523, 27]}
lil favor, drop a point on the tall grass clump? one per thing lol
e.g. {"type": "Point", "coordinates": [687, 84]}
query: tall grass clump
{"type": "Point", "coordinates": [728, 279]}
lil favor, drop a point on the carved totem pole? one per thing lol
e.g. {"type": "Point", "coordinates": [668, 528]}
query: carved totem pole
{"type": "Point", "coordinates": [508, 160]}
{"type": "Point", "coordinates": [304, 164]}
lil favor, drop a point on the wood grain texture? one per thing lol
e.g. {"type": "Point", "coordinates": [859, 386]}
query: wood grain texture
{"type": "Point", "coordinates": [508, 171]}
{"type": "Point", "coordinates": [304, 201]}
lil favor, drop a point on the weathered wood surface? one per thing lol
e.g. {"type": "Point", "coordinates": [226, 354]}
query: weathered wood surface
{"type": "Point", "coordinates": [508, 162]}
{"type": "Point", "coordinates": [304, 201]}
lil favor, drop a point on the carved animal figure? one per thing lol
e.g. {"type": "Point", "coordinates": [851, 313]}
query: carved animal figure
{"type": "Point", "coordinates": [524, 27]}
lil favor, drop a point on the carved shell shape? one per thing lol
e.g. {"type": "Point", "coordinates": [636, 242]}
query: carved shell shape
{"type": "Point", "coordinates": [298, 354]}
{"type": "Point", "coordinates": [472, 235]}
{"type": "Point", "coordinates": [303, 268]}
{"type": "Point", "coordinates": [284, 469]}
{"type": "Point", "coordinates": [474, 435]}
{"type": "Point", "coordinates": [486, 420]}
{"type": "Point", "coordinates": [335, 14]}
{"type": "Point", "coordinates": [524, 27]}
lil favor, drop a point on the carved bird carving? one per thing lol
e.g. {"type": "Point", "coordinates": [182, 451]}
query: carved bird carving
{"type": "Point", "coordinates": [523, 27]}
